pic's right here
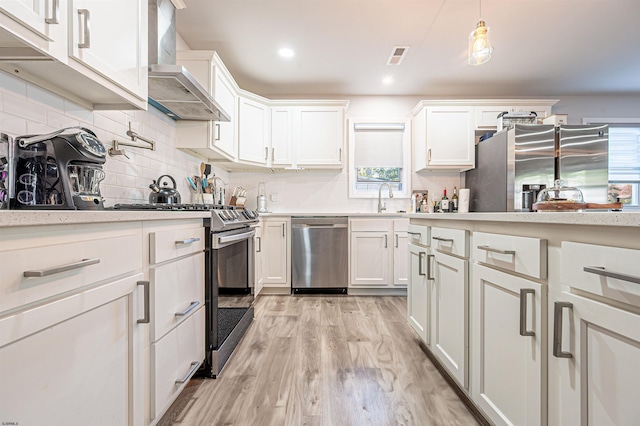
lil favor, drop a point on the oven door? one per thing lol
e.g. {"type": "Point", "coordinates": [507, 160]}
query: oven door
{"type": "Point", "coordinates": [232, 255]}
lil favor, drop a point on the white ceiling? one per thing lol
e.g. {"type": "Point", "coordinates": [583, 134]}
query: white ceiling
{"type": "Point", "coordinates": [541, 48]}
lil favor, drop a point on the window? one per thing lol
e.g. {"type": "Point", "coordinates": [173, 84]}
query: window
{"type": "Point", "coordinates": [379, 153]}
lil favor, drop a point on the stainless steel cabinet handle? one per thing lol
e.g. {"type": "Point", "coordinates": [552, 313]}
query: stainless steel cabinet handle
{"type": "Point", "coordinates": [194, 367]}
{"type": "Point", "coordinates": [429, 154]}
{"type": "Point", "coordinates": [445, 240]}
{"type": "Point", "coordinates": [59, 269]}
{"type": "Point", "coordinates": [385, 240]}
{"type": "Point", "coordinates": [191, 307]}
{"type": "Point", "coordinates": [413, 233]}
{"type": "Point", "coordinates": [599, 270]}
{"type": "Point", "coordinates": [340, 154]}
{"type": "Point", "coordinates": [557, 329]}
{"type": "Point", "coordinates": [396, 240]}
{"type": "Point", "coordinates": [493, 250]}
{"type": "Point", "coordinates": [273, 154]}
{"type": "Point", "coordinates": [523, 311]}
{"type": "Point", "coordinates": [55, 12]}
{"type": "Point", "coordinates": [145, 318]}
{"type": "Point", "coordinates": [420, 261]}
{"type": "Point", "coordinates": [187, 241]}
{"type": "Point", "coordinates": [217, 132]}
{"type": "Point", "coordinates": [429, 256]}
{"type": "Point", "coordinates": [86, 37]}
{"type": "Point", "coordinates": [283, 230]}
{"type": "Point", "coordinates": [259, 245]}
{"type": "Point", "coordinates": [266, 153]}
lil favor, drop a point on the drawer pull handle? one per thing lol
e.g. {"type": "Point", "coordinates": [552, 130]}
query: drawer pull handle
{"type": "Point", "coordinates": [194, 367]}
{"type": "Point", "coordinates": [191, 307]}
{"type": "Point", "coordinates": [420, 261]}
{"type": "Point", "coordinates": [145, 285]}
{"type": "Point", "coordinates": [86, 39]}
{"type": "Point", "coordinates": [187, 241]}
{"type": "Point", "coordinates": [523, 311]}
{"type": "Point", "coordinates": [599, 270]}
{"type": "Point", "coordinates": [493, 250]}
{"type": "Point", "coordinates": [55, 19]}
{"type": "Point", "coordinates": [557, 329]}
{"type": "Point", "coordinates": [259, 244]}
{"type": "Point", "coordinates": [413, 233]}
{"type": "Point", "coordinates": [444, 240]}
{"type": "Point", "coordinates": [59, 269]}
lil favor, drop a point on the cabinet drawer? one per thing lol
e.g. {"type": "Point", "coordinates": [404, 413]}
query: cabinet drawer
{"type": "Point", "coordinates": [172, 243]}
{"type": "Point", "coordinates": [524, 255]}
{"type": "Point", "coordinates": [419, 234]}
{"type": "Point", "coordinates": [613, 272]}
{"type": "Point", "coordinates": [373, 225]}
{"type": "Point", "coordinates": [61, 259]}
{"type": "Point", "coordinates": [174, 359]}
{"type": "Point", "coordinates": [453, 241]}
{"type": "Point", "coordinates": [177, 287]}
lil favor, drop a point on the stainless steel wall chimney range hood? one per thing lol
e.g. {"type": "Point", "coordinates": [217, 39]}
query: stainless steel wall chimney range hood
{"type": "Point", "coordinates": [172, 89]}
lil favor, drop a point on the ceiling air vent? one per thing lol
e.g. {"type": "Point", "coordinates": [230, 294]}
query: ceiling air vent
{"type": "Point", "coordinates": [397, 55]}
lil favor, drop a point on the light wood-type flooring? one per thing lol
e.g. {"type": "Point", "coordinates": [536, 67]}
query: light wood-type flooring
{"type": "Point", "coordinates": [324, 360]}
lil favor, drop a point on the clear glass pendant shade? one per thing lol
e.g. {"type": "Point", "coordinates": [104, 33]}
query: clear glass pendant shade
{"type": "Point", "coordinates": [480, 48]}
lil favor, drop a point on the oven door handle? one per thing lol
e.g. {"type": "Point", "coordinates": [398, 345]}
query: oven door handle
{"type": "Point", "coordinates": [236, 237]}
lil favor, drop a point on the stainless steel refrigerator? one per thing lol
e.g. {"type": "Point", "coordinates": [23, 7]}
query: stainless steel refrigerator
{"type": "Point", "coordinates": [532, 157]}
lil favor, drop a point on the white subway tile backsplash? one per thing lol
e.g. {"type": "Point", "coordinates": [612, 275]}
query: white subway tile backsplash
{"type": "Point", "coordinates": [59, 121]}
{"type": "Point", "coordinates": [105, 123]}
{"type": "Point", "coordinates": [12, 84]}
{"type": "Point", "coordinates": [34, 128]}
{"type": "Point", "coordinates": [23, 108]}
{"type": "Point", "coordinates": [117, 116]}
{"type": "Point", "coordinates": [12, 125]}
{"type": "Point", "coordinates": [126, 181]}
{"type": "Point", "coordinates": [77, 111]}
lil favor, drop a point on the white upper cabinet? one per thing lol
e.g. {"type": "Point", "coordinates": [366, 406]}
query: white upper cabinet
{"type": "Point", "coordinates": [215, 140]}
{"type": "Point", "coordinates": [443, 138]}
{"type": "Point", "coordinates": [254, 120]}
{"type": "Point", "coordinates": [308, 134]}
{"type": "Point", "coordinates": [95, 65]}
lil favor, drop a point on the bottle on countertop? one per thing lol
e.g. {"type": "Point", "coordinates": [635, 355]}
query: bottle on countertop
{"type": "Point", "coordinates": [444, 202]}
{"type": "Point", "coordinates": [454, 200]}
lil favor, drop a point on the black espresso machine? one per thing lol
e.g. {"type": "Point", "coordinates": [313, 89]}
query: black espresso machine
{"type": "Point", "coordinates": [60, 170]}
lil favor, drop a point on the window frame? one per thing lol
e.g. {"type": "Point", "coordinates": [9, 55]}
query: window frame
{"type": "Point", "coordinates": [405, 172]}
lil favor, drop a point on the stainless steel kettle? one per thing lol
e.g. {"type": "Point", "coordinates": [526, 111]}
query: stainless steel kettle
{"type": "Point", "coordinates": [164, 194]}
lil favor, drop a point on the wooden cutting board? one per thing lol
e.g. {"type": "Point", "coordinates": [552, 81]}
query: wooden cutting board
{"type": "Point", "coordinates": [569, 206]}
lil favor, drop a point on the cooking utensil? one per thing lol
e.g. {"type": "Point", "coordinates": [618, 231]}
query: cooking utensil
{"type": "Point", "coordinates": [191, 183]}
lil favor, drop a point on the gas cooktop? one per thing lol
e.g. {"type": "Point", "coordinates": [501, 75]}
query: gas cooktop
{"type": "Point", "coordinates": [222, 217]}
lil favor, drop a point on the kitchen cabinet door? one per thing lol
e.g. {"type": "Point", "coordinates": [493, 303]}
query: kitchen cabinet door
{"type": "Point", "coordinates": [508, 347]}
{"type": "Point", "coordinates": [449, 315]}
{"type": "Point", "coordinates": [43, 24]}
{"type": "Point", "coordinates": [110, 38]}
{"type": "Point", "coordinates": [400, 259]}
{"type": "Point", "coordinates": [77, 360]}
{"type": "Point", "coordinates": [444, 138]}
{"type": "Point", "coordinates": [258, 261]}
{"type": "Point", "coordinates": [419, 291]}
{"type": "Point", "coordinates": [253, 131]}
{"type": "Point", "coordinates": [282, 136]}
{"type": "Point", "coordinates": [318, 134]}
{"type": "Point", "coordinates": [276, 265]}
{"type": "Point", "coordinates": [597, 363]}
{"type": "Point", "coordinates": [224, 132]}
{"type": "Point", "coordinates": [370, 259]}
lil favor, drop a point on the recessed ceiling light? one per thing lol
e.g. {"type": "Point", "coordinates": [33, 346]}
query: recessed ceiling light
{"type": "Point", "coordinates": [286, 52]}
{"type": "Point", "coordinates": [387, 80]}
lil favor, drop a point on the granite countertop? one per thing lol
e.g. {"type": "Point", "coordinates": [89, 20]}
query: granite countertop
{"type": "Point", "coordinates": [66, 217]}
{"type": "Point", "coordinates": [629, 219]}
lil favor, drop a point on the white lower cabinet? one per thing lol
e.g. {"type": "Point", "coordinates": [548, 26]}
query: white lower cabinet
{"type": "Point", "coordinates": [419, 291]}
{"type": "Point", "coordinates": [76, 360]}
{"type": "Point", "coordinates": [258, 260]}
{"type": "Point", "coordinates": [276, 266]}
{"type": "Point", "coordinates": [449, 314]}
{"type": "Point", "coordinates": [596, 355]}
{"type": "Point", "coordinates": [400, 259]}
{"type": "Point", "coordinates": [508, 347]}
{"type": "Point", "coordinates": [175, 358]}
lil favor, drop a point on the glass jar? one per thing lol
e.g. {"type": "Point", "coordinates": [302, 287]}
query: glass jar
{"type": "Point", "coordinates": [560, 193]}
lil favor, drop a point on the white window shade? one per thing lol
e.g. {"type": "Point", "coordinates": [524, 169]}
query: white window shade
{"type": "Point", "coordinates": [624, 153]}
{"type": "Point", "coordinates": [378, 147]}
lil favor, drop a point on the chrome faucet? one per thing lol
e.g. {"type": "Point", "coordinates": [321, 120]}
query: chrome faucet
{"type": "Point", "coordinates": [381, 205]}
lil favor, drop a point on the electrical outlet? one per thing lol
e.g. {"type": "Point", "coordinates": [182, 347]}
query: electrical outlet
{"type": "Point", "coordinates": [275, 197]}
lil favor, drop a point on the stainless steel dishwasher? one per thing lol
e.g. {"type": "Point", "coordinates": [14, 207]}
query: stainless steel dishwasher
{"type": "Point", "coordinates": [319, 247]}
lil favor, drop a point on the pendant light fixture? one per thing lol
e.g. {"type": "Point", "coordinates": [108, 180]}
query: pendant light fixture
{"type": "Point", "coordinates": [480, 48]}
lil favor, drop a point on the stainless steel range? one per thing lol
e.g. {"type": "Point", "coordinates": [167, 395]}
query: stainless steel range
{"type": "Point", "coordinates": [229, 276]}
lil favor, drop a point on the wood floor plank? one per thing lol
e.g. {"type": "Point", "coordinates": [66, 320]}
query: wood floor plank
{"type": "Point", "coordinates": [324, 361]}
